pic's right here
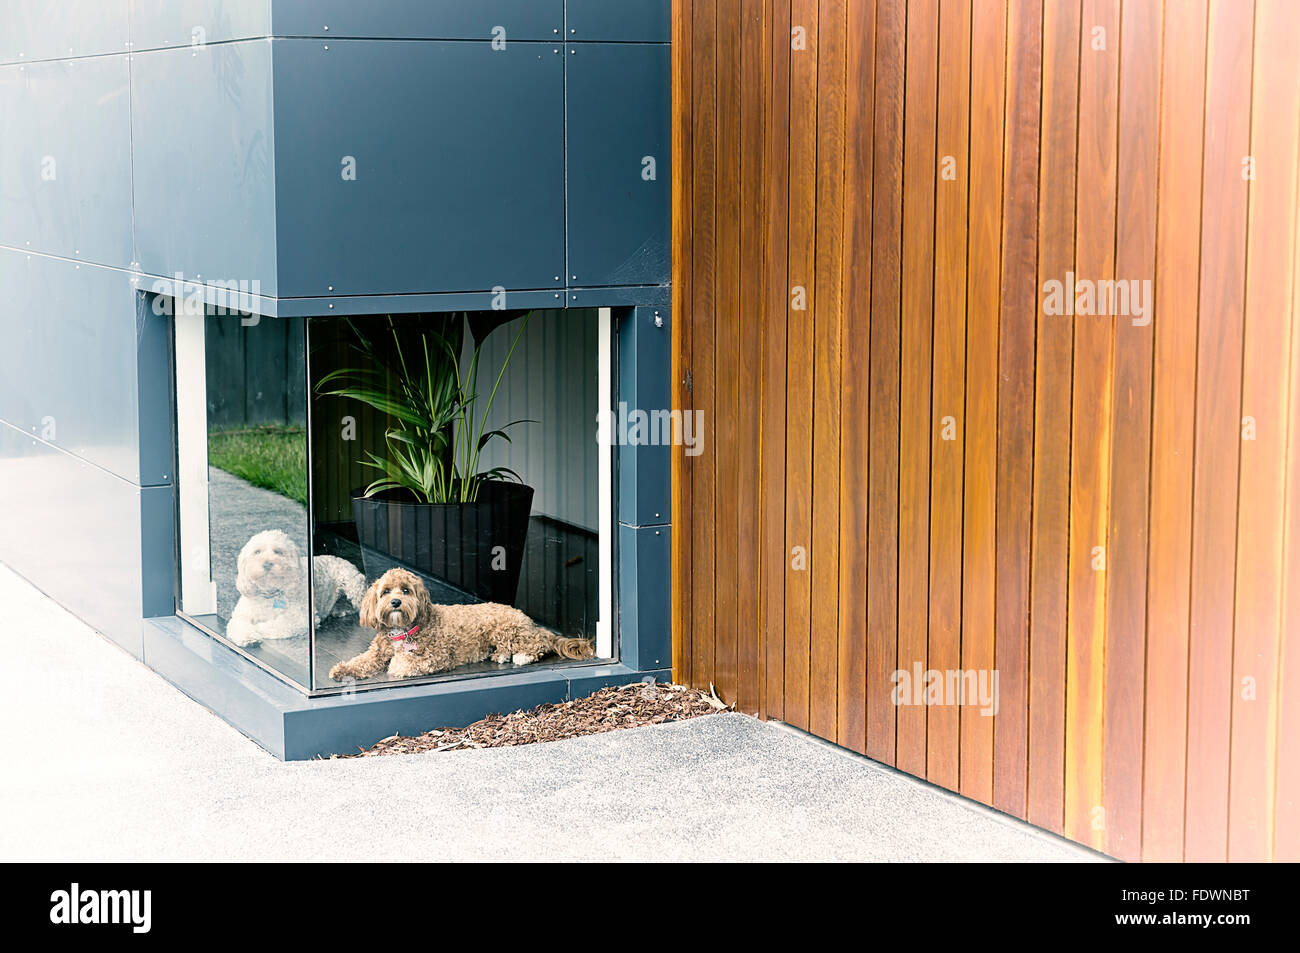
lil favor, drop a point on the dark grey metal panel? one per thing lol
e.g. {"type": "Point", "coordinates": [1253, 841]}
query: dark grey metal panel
{"type": "Point", "coordinates": [644, 596]}
{"type": "Point", "coordinates": [417, 303]}
{"type": "Point", "coordinates": [69, 362]}
{"type": "Point", "coordinates": [156, 404]}
{"type": "Point", "coordinates": [158, 24]}
{"type": "Point", "coordinates": [643, 21]}
{"type": "Point", "coordinates": [205, 164]}
{"type": "Point", "coordinates": [65, 158]}
{"type": "Point", "coordinates": [341, 723]}
{"type": "Point", "coordinates": [644, 463]}
{"type": "Point", "coordinates": [458, 151]}
{"type": "Point", "coordinates": [157, 551]}
{"type": "Point", "coordinates": [618, 163]}
{"type": "Point", "coordinates": [50, 29]}
{"type": "Point", "coordinates": [618, 296]}
{"type": "Point", "coordinates": [73, 530]}
{"type": "Point", "coordinates": [420, 19]}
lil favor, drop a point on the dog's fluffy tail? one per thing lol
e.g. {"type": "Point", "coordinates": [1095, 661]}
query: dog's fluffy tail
{"type": "Point", "coordinates": [573, 648]}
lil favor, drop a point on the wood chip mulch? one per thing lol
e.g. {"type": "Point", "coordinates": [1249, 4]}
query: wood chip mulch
{"type": "Point", "coordinates": [629, 706]}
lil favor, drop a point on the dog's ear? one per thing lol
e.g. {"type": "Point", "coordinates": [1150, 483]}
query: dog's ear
{"type": "Point", "coordinates": [424, 618]}
{"type": "Point", "coordinates": [370, 604]}
{"type": "Point", "coordinates": [242, 582]}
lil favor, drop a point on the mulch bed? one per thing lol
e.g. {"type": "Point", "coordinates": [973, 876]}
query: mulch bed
{"type": "Point", "coordinates": [629, 706]}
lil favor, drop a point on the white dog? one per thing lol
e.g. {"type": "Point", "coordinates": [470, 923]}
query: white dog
{"type": "Point", "coordinates": [272, 584]}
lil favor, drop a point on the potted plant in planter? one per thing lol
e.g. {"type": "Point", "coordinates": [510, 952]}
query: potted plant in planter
{"type": "Point", "coordinates": [435, 509]}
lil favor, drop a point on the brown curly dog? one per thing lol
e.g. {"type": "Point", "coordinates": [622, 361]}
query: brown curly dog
{"type": "Point", "coordinates": [415, 637]}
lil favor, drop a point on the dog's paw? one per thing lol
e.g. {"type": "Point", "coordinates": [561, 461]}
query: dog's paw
{"type": "Point", "coordinates": [337, 672]}
{"type": "Point", "coordinates": [521, 658]}
{"type": "Point", "coordinates": [501, 658]}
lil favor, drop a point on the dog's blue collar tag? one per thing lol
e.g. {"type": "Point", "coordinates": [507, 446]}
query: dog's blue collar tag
{"type": "Point", "coordinates": [278, 604]}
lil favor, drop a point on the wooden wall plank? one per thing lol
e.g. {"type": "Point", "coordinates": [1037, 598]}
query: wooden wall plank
{"type": "Point", "coordinates": [1091, 416]}
{"type": "Point", "coordinates": [702, 319]}
{"type": "Point", "coordinates": [911, 178]}
{"type": "Point", "coordinates": [775, 552]}
{"type": "Point", "coordinates": [1126, 573]}
{"type": "Point", "coordinates": [683, 276]}
{"type": "Point", "coordinates": [1178, 234]}
{"type": "Point", "coordinates": [984, 267]}
{"type": "Point", "coordinates": [949, 379]}
{"type": "Point", "coordinates": [828, 319]}
{"type": "Point", "coordinates": [1053, 382]}
{"type": "Point", "coordinates": [915, 369]}
{"type": "Point", "coordinates": [855, 389]}
{"type": "Point", "coordinates": [886, 291]}
{"type": "Point", "coordinates": [1218, 429]}
{"type": "Point", "coordinates": [802, 265]}
{"type": "Point", "coordinates": [753, 288]}
{"type": "Point", "coordinates": [1015, 409]}
{"type": "Point", "coordinates": [726, 329]}
{"type": "Point", "coordinates": [1275, 130]}
{"type": "Point", "coordinates": [1286, 809]}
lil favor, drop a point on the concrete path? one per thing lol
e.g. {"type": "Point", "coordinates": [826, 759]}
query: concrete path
{"type": "Point", "coordinates": [105, 761]}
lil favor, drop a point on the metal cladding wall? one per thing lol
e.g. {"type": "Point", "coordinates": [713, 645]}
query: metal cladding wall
{"type": "Point", "coordinates": [331, 157]}
{"type": "Point", "coordinates": [921, 463]}
{"type": "Point", "coordinates": [85, 454]}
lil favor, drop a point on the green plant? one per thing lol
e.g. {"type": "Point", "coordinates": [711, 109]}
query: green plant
{"type": "Point", "coordinates": [434, 448]}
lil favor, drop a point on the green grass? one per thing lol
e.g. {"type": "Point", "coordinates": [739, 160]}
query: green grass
{"type": "Point", "coordinates": [274, 458]}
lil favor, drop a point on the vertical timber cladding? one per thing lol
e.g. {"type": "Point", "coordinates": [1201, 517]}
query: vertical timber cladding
{"type": "Point", "coordinates": [941, 436]}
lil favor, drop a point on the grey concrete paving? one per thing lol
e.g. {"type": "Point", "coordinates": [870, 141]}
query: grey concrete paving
{"type": "Point", "coordinates": [105, 761]}
{"type": "Point", "coordinates": [240, 510]}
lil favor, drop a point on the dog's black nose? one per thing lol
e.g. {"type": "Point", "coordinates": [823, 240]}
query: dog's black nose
{"type": "Point", "coordinates": [267, 564]}
{"type": "Point", "coordinates": [396, 603]}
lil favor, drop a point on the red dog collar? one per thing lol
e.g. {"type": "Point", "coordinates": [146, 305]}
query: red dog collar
{"type": "Point", "coordinates": [401, 638]}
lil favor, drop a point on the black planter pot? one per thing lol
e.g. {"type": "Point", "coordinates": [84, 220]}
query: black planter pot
{"type": "Point", "coordinates": [450, 544]}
